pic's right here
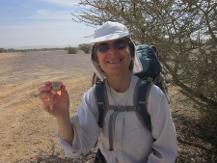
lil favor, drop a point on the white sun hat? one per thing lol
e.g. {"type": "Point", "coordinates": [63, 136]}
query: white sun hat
{"type": "Point", "coordinates": [110, 31]}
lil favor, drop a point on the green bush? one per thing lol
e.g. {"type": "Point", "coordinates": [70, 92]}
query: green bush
{"type": "Point", "coordinates": [2, 50]}
{"type": "Point", "coordinates": [85, 47]}
{"type": "Point", "coordinates": [72, 50]}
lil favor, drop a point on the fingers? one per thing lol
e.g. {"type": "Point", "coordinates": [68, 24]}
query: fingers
{"type": "Point", "coordinates": [47, 86]}
{"type": "Point", "coordinates": [45, 95]}
{"type": "Point", "coordinates": [47, 100]}
{"type": "Point", "coordinates": [51, 97]}
{"type": "Point", "coordinates": [64, 94]}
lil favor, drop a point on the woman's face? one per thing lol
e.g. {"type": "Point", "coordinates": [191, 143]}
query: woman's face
{"type": "Point", "coordinates": [114, 56]}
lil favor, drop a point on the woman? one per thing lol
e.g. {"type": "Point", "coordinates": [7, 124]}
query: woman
{"type": "Point", "coordinates": [113, 57]}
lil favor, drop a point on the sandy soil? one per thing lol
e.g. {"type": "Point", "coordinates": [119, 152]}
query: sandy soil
{"type": "Point", "coordinates": [28, 134]}
{"type": "Point", "coordinates": [26, 131]}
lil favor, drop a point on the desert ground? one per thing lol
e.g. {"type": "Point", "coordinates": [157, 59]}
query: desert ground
{"type": "Point", "coordinates": [29, 134]}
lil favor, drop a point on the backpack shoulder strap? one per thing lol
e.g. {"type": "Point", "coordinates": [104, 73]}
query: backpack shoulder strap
{"type": "Point", "coordinates": [100, 96]}
{"type": "Point", "coordinates": [142, 93]}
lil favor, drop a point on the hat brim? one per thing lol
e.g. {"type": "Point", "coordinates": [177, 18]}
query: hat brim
{"type": "Point", "coordinates": [109, 37]}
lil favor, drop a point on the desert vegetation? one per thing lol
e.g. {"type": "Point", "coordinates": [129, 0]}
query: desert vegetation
{"type": "Point", "coordinates": [71, 49]}
{"type": "Point", "coordinates": [85, 47]}
{"type": "Point", "coordinates": [184, 32]}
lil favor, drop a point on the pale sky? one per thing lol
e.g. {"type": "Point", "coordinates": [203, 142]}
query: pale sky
{"type": "Point", "coordinates": [41, 23]}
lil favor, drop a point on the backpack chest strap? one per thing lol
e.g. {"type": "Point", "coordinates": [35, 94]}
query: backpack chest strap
{"type": "Point", "coordinates": [112, 119]}
{"type": "Point", "coordinates": [122, 108]}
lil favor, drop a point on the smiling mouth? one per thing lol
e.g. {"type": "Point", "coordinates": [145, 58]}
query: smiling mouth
{"type": "Point", "coordinates": [114, 62]}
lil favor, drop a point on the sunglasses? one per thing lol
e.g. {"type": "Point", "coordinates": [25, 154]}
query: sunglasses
{"type": "Point", "coordinates": [118, 44]}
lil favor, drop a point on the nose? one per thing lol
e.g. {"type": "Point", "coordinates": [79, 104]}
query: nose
{"type": "Point", "coordinates": [111, 50]}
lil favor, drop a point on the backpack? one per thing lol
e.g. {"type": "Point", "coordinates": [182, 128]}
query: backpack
{"type": "Point", "coordinates": [148, 68]}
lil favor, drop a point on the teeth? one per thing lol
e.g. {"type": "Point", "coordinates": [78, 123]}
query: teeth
{"type": "Point", "coordinates": [114, 62]}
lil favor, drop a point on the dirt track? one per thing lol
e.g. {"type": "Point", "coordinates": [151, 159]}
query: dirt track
{"type": "Point", "coordinates": [26, 131]}
{"type": "Point", "coordinates": [29, 134]}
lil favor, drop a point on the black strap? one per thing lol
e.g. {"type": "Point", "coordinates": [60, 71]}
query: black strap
{"type": "Point", "coordinates": [143, 91]}
{"type": "Point", "coordinates": [100, 94]}
{"type": "Point", "coordinates": [99, 157]}
{"type": "Point", "coordinates": [141, 99]}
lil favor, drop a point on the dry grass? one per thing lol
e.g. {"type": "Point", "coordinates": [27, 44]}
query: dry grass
{"type": "Point", "coordinates": [28, 134]}
{"type": "Point", "coordinates": [196, 129]}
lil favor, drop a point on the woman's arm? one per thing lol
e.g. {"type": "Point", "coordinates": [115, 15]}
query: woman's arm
{"type": "Point", "coordinates": [84, 128]}
{"type": "Point", "coordinates": [65, 129]}
{"type": "Point", "coordinates": [164, 148]}
{"type": "Point", "coordinates": [55, 100]}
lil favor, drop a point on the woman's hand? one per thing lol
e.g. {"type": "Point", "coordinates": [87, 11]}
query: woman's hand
{"type": "Point", "coordinates": [55, 99]}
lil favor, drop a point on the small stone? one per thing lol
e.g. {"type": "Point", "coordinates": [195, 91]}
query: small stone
{"type": "Point", "coordinates": [56, 86]}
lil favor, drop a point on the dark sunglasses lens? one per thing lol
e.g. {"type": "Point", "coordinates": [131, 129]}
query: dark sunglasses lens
{"type": "Point", "coordinates": [103, 48]}
{"type": "Point", "coordinates": [121, 44]}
